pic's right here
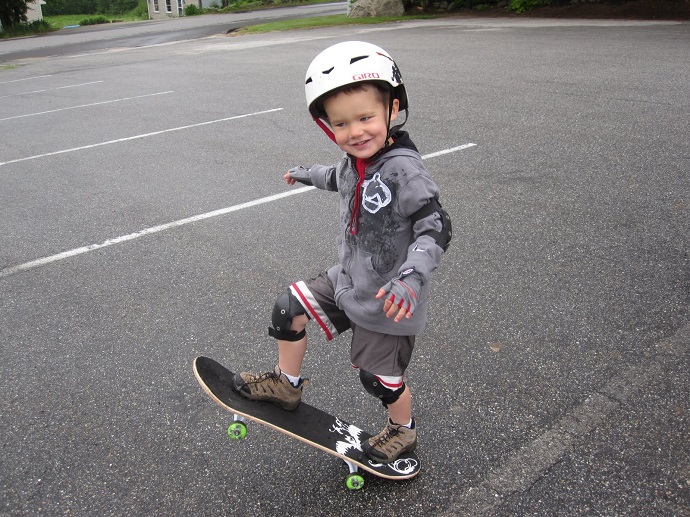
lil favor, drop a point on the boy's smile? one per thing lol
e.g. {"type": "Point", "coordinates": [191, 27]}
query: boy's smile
{"type": "Point", "coordinates": [359, 121]}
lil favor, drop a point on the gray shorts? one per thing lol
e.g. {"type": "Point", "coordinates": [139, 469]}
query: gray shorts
{"type": "Point", "coordinates": [376, 353]}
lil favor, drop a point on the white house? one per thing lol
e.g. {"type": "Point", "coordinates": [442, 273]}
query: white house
{"type": "Point", "coordinates": [33, 11]}
{"type": "Point", "coordinates": [168, 8]}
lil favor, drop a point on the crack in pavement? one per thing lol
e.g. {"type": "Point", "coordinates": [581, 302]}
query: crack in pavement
{"type": "Point", "coordinates": [528, 465]}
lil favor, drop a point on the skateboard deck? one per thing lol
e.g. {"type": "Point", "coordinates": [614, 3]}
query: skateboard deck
{"type": "Point", "coordinates": [307, 424]}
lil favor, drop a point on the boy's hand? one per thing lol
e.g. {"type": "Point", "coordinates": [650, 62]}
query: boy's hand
{"type": "Point", "coordinates": [404, 292]}
{"type": "Point", "coordinates": [296, 174]}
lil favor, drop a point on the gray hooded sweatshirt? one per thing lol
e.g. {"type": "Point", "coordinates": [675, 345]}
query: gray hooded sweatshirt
{"type": "Point", "coordinates": [378, 240]}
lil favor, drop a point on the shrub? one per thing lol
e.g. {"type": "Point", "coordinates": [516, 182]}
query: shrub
{"type": "Point", "coordinates": [94, 20]}
{"type": "Point", "coordinates": [25, 29]}
{"type": "Point", "coordinates": [523, 6]}
{"type": "Point", "coordinates": [191, 10]}
{"type": "Point", "coordinates": [141, 11]}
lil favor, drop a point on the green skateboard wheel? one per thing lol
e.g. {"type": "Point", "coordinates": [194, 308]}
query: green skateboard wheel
{"type": "Point", "coordinates": [237, 431]}
{"type": "Point", "coordinates": [354, 481]}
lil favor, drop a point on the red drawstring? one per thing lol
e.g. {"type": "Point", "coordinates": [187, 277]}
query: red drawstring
{"type": "Point", "coordinates": [360, 166]}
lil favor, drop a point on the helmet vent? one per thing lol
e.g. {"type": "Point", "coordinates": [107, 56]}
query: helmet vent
{"type": "Point", "coordinates": [326, 72]}
{"type": "Point", "coordinates": [355, 59]}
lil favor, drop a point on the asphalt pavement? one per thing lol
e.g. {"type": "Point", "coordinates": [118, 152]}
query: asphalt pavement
{"type": "Point", "coordinates": [144, 222]}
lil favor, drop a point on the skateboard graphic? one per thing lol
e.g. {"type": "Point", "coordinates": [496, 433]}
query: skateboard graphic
{"type": "Point", "coordinates": [307, 424]}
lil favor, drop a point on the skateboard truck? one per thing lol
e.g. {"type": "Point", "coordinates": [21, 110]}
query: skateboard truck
{"type": "Point", "coordinates": [238, 429]}
{"type": "Point", "coordinates": [354, 480]}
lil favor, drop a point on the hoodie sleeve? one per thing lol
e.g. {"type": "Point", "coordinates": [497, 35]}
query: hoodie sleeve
{"type": "Point", "coordinates": [324, 177]}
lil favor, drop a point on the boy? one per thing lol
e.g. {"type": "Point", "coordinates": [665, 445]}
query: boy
{"type": "Point", "coordinates": [393, 234]}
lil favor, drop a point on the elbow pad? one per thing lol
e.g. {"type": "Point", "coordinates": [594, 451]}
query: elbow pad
{"type": "Point", "coordinates": [442, 237]}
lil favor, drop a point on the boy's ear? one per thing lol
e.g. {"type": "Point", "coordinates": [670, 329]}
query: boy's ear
{"type": "Point", "coordinates": [395, 109]}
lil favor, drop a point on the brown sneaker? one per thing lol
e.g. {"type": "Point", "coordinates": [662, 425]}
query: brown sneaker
{"type": "Point", "coordinates": [390, 443]}
{"type": "Point", "coordinates": [270, 387]}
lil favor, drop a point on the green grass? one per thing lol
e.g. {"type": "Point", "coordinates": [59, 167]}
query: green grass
{"type": "Point", "coordinates": [324, 21]}
{"type": "Point", "coordinates": [256, 5]}
{"type": "Point", "coordinates": [65, 20]}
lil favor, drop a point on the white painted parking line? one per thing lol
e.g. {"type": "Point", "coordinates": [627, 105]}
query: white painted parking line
{"type": "Point", "coordinates": [50, 89]}
{"type": "Point", "coordinates": [448, 151]}
{"type": "Point", "coordinates": [181, 222]}
{"type": "Point", "coordinates": [86, 105]}
{"type": "Point", "coordinates": [135, 137]}
{"type": "Point", "coordinates": [26, 79]}
{"type": "Point", "coordinates": [147, 231]}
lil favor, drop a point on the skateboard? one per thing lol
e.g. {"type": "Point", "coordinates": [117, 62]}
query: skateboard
{"type": "Point", "coordinates": [307, 424]}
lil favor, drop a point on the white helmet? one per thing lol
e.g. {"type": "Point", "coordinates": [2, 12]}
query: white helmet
{"type": "Point", "coordinates": [348, 63]}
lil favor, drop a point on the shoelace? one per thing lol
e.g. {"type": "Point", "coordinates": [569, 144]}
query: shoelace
{"type": "Point", "coordinates": [391, 432]}
{"type": "Point", "coordinates": [266, 376]}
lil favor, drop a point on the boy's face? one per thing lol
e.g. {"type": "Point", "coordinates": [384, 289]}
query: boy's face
{"type": "Point", "coordinates": [359, 121]}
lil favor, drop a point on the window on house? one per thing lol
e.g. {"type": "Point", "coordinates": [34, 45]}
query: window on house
{"type": "Point", "coordinates": [155, 6]}
{"type": "Point", "coordinates": [168, 6]}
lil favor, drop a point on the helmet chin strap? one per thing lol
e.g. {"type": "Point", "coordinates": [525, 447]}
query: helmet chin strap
{"type": "Point", "coordinates": [399, 127]}
{"type": "Point", "coordinates": [387, 143]}
{"type": "Point", "coordinates": [326, 129]}
{"type": "Point", "coordinates": [393, 129]}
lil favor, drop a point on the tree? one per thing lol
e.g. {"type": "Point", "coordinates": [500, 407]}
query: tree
{"type": "Point", "coordinates": [13, 12]}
